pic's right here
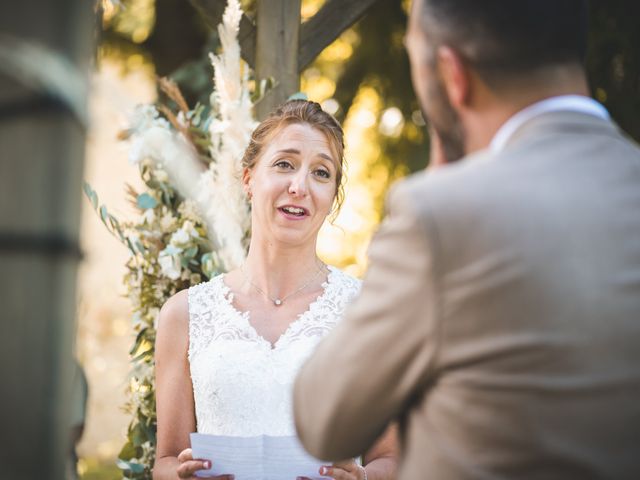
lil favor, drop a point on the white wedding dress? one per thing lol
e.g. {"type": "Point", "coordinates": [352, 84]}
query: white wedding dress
{"type": "Point", "coordinates": [242, 385]}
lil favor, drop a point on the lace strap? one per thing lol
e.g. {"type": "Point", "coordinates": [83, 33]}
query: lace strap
{"type": "Point", "coordinates": [202, 313]}
{"type": "Point", "coordinates": [341, 290]}
{"type": "Point", "coordinates": [327, 311]}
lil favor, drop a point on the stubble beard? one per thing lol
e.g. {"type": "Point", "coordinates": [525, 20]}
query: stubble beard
{"type": "Point", "coordinates": [444, 120]}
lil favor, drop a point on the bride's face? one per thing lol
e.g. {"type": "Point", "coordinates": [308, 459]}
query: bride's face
{"type": "Point", "coordinates": [292, 186]}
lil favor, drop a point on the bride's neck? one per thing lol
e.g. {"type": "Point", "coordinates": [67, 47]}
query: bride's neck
{"type": "Point", "coordinates": [280, 269]}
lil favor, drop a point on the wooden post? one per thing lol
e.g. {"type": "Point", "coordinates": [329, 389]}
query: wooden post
{"type": "Point", "coordinates": [42, 142]}
{"type": "Point", "coordinates": [278, 27]}
{"type": "Point", "coordinates": [277, 46]}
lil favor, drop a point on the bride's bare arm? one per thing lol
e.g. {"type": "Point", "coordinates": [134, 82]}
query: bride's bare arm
{"type": "Point", "coordinates": [381, 461]}
{"type": "Point", "coordinates": [174, 392]}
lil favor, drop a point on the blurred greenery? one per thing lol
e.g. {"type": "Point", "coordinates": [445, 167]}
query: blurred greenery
{"type": "Point", "coordinates": [94, 469]}
{"type": "Point", "coordinates": [613, 62]}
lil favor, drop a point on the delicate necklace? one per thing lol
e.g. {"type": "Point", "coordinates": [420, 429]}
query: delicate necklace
{"type": "Point", "coordinates": [279, 301]}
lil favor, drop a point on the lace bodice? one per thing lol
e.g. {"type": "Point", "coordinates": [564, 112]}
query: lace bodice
{"type": "Point", "coordinates": [242, 385]}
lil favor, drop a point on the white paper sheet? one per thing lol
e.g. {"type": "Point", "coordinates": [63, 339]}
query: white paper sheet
{"type": "Point", "coordinates": [255, 458]}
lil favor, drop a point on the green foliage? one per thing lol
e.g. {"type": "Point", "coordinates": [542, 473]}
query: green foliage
{"type": "Point", "coordinates": [168, 227]}
{"type": "Point", "coordinates": [298, 96]}
{"type": "Point", "coordinates": [145, 201]}
{"type": "Point", "coordinates": [262, 87]}
{"type": "Point", "coordinates": [109, 221]}
{"type": "Point", "coordinates": [94, 469]}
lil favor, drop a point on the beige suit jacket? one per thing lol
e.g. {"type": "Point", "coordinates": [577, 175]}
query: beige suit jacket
{"type": "Point", "coordinates": [499, 320]}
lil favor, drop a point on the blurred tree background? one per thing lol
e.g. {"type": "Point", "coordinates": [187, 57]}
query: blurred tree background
{"type": "Point", "coordinates": [174, 39]}
{"type": "Point", "coordinates": [613, 61]}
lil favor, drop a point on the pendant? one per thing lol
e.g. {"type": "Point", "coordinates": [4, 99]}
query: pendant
{"type": "Point", "coordinates": [277, 302]}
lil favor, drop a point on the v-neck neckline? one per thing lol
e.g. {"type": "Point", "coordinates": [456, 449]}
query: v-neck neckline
{"type": "Point", "coordinates": [245, 316]}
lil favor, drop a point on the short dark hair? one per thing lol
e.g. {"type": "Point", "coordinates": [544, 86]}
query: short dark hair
{"type": "Point", "coordinates": [509, 37]}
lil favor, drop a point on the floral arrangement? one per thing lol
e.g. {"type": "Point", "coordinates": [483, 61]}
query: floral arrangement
{"type": "Point", "coordinates": [193, 217]}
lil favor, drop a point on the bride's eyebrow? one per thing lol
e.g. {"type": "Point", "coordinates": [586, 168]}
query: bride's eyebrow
{"type": "Point", "coordinates": [294, 151]}
{"type": "Point", "coordinates": [326, 157]}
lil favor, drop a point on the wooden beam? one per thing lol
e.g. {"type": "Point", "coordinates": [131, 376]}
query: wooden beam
{"type": "Point", "coordinates": [324, 27]}
{"type": "Point", "coordinates": [212, 10]}
{"type": "Point", "coordinates": [278, 26]}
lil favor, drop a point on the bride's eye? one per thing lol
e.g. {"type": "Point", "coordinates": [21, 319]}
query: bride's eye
{"type": "Point", "coordinates": [322, 173]}
{"type": "Point", "coordinates": [283, 165]}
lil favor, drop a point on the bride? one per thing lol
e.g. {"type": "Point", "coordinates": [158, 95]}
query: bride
{"type": "Point", "coordinates": [228, 350]}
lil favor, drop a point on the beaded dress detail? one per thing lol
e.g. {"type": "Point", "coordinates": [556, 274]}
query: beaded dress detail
{"type": "Point", "coordinates": [242, 384]}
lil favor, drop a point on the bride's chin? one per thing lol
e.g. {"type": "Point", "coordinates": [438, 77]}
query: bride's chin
{"type": "Point", "coordinates": [291, 239]}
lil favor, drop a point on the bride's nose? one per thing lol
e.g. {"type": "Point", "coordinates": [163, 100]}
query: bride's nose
{"type": "Point", "coordinates": [299, 184]}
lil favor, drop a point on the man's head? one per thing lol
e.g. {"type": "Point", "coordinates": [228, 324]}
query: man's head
{"type": "Point", "coordinates": [465, 53]}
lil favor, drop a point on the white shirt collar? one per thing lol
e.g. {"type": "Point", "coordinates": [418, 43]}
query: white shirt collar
{"type": "Point", "coordinates": [571, 103]}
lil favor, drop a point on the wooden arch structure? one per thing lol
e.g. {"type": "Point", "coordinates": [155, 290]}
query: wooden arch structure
{"type": "Point", "coordinates": [277, 45]}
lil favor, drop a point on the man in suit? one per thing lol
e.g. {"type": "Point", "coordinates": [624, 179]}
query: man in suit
{"type": "Point", "coordinates": [499, 321]}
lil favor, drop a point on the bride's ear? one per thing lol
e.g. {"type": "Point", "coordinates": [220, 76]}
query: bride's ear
{"type": "Point", "coordinates": [246, 181]}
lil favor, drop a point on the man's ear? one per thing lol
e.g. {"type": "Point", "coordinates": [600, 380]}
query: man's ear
{"type": "Point", "coordinates": [455, 76]}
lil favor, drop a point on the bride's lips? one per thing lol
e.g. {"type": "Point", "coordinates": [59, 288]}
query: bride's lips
{"type": "Point", "coordinates": [293, 212]}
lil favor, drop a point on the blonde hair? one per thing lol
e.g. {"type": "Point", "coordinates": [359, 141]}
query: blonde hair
{"type": "Point", "coordinates": [299, 111]}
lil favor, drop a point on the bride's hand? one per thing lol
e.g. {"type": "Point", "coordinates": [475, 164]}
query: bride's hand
{"type": "Point", "coordinates": [189, 466]}
{"type": "Point", "coordinates": [347, 470]}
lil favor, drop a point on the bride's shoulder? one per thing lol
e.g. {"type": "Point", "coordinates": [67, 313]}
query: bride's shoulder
{"type": "Point", "coordinates": [205, 289]}
{"type": "Point", "coordinates": [347, 283]}
{"type": "Point", "coordinates": [175, 310]}
{"type": "Point", "coordinates": [174, 314]}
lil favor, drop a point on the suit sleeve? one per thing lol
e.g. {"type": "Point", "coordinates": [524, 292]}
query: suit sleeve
{"type": "Point", "coordinates": [380, 356]}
